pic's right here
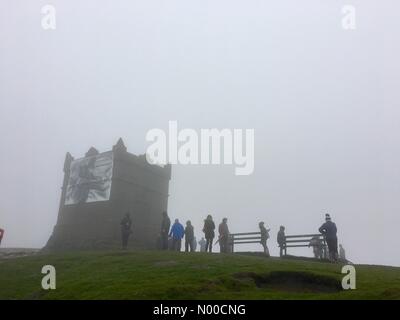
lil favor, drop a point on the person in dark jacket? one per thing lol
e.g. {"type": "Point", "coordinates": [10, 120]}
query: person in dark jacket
{"type": "Point", "coordinates": [281, 240]}
{"type": "Point", "coordinates": [223, 238]}
{"type": "Point", "coordinates": [189, 237]}
{"type": "Point", "coordinates": [329, 230]}
{"type": "Point", "coordinates": [126, 229]}
{"type": "Point", "coordinates": [209, 234]}
{"type": "Point", "coordinates": [264, 237]}
{"type": "Point", "coordinates": [177, 232]}
{"type": "Point", "coordinates": [165, 225]}
{"type": "Point", "coordinates": [1, 235]}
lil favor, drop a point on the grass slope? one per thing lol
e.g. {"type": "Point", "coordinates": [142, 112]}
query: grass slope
{"type": "Point", "coordinates": [171, 275]}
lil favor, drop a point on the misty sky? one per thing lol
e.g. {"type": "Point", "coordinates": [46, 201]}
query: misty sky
{"type": "Point", "coordinates": [324, 103]}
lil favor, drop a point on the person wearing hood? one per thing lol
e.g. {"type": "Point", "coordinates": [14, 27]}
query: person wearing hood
{"type": "Point", "coordinates": [208, 229]}
{"type": "Point", "coordinates": [281, 239]}
{"type": "Point", "coordinates": [264, 237]}
{"type": "Point", "coordinates": [223, 238]}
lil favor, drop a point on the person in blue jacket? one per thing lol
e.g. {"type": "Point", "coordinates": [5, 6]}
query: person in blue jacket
{"type": "Point", "coordinates": [177, 232]}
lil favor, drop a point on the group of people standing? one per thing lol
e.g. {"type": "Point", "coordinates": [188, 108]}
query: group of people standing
{"type": "Point", "coordinates": [171, 237]}
{"type": "Point", "coordinates": [329, 232]}
{"type": "Point", "coordinates": [177, 232]}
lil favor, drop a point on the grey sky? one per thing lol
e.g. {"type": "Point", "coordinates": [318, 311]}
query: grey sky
{"type": "Point", "coordinates": [324, 103]}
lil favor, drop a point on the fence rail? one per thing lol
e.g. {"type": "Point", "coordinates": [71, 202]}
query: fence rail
{"type": "Point", "coordinates": [302, 238]}
{"type": "Point", "coordinates": [243, 237]}
{"type": "Point", "coordinates": [290, 241]}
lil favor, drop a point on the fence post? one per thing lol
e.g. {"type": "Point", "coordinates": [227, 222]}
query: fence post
{"type": "Point", "coordinates": [325, 248]}
{"type": "Point", "coordinates": [284, 245]}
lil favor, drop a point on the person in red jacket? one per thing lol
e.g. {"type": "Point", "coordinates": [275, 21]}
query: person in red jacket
{"type": "Point", "coordinates": [1, 235]}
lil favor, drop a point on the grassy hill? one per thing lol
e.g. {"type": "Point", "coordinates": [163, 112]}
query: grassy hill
{"type": "Point", "coordinates": [171, 275]}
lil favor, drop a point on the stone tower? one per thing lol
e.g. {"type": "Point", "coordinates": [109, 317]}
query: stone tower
{"type": "Point", "coordinates": [99, 189]}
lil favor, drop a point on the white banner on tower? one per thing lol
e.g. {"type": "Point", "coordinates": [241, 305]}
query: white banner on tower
{"type": "Point", "coordinates": [90, 179]}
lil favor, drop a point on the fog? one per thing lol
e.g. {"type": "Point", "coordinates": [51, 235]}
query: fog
{"type": "Point", "coordinates": [323, 101]}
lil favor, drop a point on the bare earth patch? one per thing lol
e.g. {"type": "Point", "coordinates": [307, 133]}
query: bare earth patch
{"type": "Point", "coordinates": [11, 253]}
{"type": "Point", "coordinates": [291, 281]}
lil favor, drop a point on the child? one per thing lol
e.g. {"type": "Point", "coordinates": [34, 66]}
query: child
{"type": "Point", "coordinates": [317, 245]}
